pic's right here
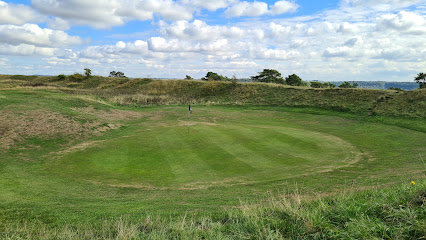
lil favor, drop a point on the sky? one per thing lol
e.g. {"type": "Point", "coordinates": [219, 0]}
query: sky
{"type": "Point", "coordinates": [335, 40]}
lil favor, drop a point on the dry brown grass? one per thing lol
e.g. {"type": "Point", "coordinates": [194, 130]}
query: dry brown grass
{"type": "Point", "coordinates": [111, 114]}
{"type": "Point", "coordinates": [16, 126]}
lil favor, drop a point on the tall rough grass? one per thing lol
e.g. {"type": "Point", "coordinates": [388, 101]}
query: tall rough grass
{"type": "Point", "coordinates": [397, 213]}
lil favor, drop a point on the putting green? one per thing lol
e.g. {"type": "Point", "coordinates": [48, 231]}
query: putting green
{"type": "Point", "coordinates": [212, 154]}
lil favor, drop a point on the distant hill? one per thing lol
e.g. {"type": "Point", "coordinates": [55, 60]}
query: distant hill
{"type": "Point", "coordinates": [382, 84]}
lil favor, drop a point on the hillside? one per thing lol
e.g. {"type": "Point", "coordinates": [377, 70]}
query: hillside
{"type": "Point", "coordinates": [137, 91]}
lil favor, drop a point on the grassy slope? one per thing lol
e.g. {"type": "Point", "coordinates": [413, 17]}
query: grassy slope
{"type": "Point", "coordinates": [160, 92]}
{"type": "Point", "coordinates": [48, 200]}
{"type": "Point", "coordinates": [397, 213]}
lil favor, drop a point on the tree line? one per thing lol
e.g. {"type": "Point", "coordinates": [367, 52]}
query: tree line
{"type": "Point", "coordinates": [267, 76]}
{"type": "Point", "coordinates": [274, 76]}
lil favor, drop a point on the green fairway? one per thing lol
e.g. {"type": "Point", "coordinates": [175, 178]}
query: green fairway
{"type": "Point", "coordinates": [77, 159]}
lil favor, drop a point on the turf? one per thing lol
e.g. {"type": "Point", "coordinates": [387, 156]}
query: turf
{"type": "Point", "coordinates": [149, 163]}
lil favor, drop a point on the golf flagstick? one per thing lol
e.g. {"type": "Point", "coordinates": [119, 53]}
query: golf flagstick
{"type": "Point", "coordinates": [189, 111]}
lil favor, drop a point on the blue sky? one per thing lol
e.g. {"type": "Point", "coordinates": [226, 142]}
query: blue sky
{"type": "Point", "coordinates": [326, 40]}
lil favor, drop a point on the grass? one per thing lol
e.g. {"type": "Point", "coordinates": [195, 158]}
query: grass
{"type": "Point", "coordinates": [398, 213]}
{"type": "Point", "coordinates": [244, 171]}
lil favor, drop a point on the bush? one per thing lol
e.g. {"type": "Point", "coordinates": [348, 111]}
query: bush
{"type": "Point", "coordinates": [77, 77]}
{"type": "Point", "coordinates": [212, 76]}
{"type": "Point", "coordinates": [61, 77]}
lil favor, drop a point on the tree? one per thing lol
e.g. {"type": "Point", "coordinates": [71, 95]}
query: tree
{"type": "Point", "coordinates": [346, 84]}
{"type": "Point", "coordinates": [87, 72]}
{"type": "Point", "coordinates": [212, 76]}
{"type": "Point", "coordinates": [317, 85]}
{"type": "Point", "coordinates": [269, 75]}
{"type": "Point", "coordinates": [421, 80]}
{"type": "Point", "coordinates": [188, 77]}
{"type": "Point", "coordinates": [116, 74]}
{"type": "Point", "coordinates": [293, 80]}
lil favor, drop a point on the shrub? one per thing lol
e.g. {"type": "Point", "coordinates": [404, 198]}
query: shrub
{"type": "Point", "coordinates": [77, 77]}
{"type": "Point", "coordinates": [61, 77]}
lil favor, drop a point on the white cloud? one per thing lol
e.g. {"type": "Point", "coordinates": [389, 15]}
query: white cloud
{"type": "Point", "coordinates": [379, 5]}
{"type": "Point", "coordinates": [251, 9]}
{"type": "Point", "coordinates": [105, 14]}
{"type": "Point", "coordinates": [159, 44]}
{"type": "Point", "coordinates": [347, 28]}
{"type": "Point", "coordinates": [199, 30]}
{"type": "Point", "coordinates": [353, 41]}
{"type": "Point", "coordinates": [121, 49]}
{"type": "Point", "coordinates": [32, 34]}
{"type": "Point", "coordinates": [255, 9]}
{"type": "Point", "coordinates": [17, 14]}
{"type": "Point", "coordinates": [26, 50]}
{"type": "Point", "coordinates": [281, 7]}
{"type": "Point", "coordinates": [298, 43]}
{"type": "Point", "coordinates": [58, 24]}
{"type": "Point", "coordinates": [211, 5]}
{"type": "Point", "coordinates": [405, 22]}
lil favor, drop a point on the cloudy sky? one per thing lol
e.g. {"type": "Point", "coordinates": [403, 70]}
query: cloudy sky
{"type": "Point", "coordinates": [327, 40]}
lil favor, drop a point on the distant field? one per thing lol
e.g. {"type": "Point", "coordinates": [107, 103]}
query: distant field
{"type": "Point", "coordinates": [74, 158]}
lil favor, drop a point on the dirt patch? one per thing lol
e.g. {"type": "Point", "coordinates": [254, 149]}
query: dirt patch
{"type": "Point", "coordinates": [197, 123]}
{"type": "Point", "coordinates": [16, 126]}
{"type": "Point", "coordinates": [112, 114]}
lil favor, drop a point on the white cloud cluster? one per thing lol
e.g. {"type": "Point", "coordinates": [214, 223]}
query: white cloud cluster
{"type": "Point", "coordinates": [255, 9]}
{"type": "Point", "coordinates": [26, 50]}
{"type": "Point", "coordinates": [361, 39]}
{"type": "Point", "coordinates": [17, 14]}
{"type": "Point", "coordinates": [379, 5]}
{"type": "Point", "coordinates": [105, 14]}
{"type": "Point", "coordinates": [199, 30]}
{"type": "Point", "coordinates": [211, 5]}
{"type": "Point", "coordinates": [405, 22]}
{"type": "Point", "coordinates": [32, 34]}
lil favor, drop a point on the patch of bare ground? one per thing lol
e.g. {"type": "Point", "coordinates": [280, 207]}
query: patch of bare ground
{"type": "Point", "coordinates": [190, 186]}
{"type": "Point", "coordinates": [112, 114]}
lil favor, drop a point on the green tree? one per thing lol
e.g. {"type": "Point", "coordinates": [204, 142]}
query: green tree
{"type": "Point", "coordinates": [116, 74]}
{"type": "Point", "coordinates": [212, 76]}
{"type": "Point", "coordinates": [188, 77]}
{"type": "Point", "coordinates": [421, 80]}
{"type": "Point", "coordinates": [293, 80]}
{"type": "Point", "coordinates": [88, 72]}
{"type": "Point", "coordinates": [269, 75]}
{"type": "Point", "coordinates": [316, 85]}
{"type": "Point", "coordinates": [346, 84]}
